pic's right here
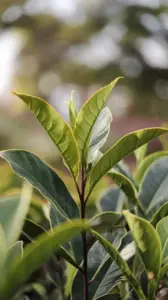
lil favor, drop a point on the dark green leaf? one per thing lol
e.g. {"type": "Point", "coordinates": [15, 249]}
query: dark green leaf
{"type": "Point", "coordinates": [58, 130]}
{"type": "Point", "coordinates": [116, 256]}
{"type": "Point", "coordinates": [114, 274]}
{"type": "Point", "coordinates": [145, 164]}
{"type": "Point", "coordinates": [154, 189]}
{"type": "Point", "coordinates": [46, 180]}
{"type": "Point", "coordinates": [111, 200]}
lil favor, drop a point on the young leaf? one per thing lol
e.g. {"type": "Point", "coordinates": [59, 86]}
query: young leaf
{"type": "Point", "coordinates": [115, 255]}
{"type": "Point", "coordinates": [88, 116]}
{"type": "Point", "coordinates": [140, 153]}
{"type": "Point", "coordinates": [122, 148]}
{"type": "Point", "coordinates": [161, 213]}
{"type": "Point", "coordinates": [13, 210]}
{"type": "Point", "coordinates": [45, 179]}
{"type": "Point", "coordinates": [58, 130]}
{"type": "Point", "coordinates": [35, 254]}
{"type": "Point", "coordinates": [146, 163]}
{"type": "Point", "coordinates": [99, 134]}
{"type": "Point", "coordinates": [154, 189]}
{"type": "Point", "coordinates": [72, 112]}
{"type": "Point", "coordinates": [148, 243]}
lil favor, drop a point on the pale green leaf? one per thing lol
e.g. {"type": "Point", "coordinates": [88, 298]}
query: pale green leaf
{"type": "Point", "coordinates": [3, 250]}
{"type": "Point", "coordinates": [58, 130]}
{"type": "Point", "coordinates": [162, 229]}
{"type": "Point", "coordinates": [46, 180]}
{"type": "Point", "coordinates": [72, 112]}
{"type": "Point", "coordinates": [148, 243]}
{"type": "Point", "coordinates": [88, 116]}
{"type": "Point", "coordinates": [145, 164]}
{"type": "Point", "coordinates": [122, 148]}
{"type": "Point", "coordinates": [13, 210]}
{"type": "Point", "coordinates": [99, 134]}
{"type": "Point", "coordinates": [140, 153]}
{"type": "Point", "coordinates": [37, 253]}
{"type": "Point", "coordinates": [15, 251]}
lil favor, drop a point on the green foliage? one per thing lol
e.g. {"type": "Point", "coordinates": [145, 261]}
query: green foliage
{"type": "Point", "coordinates": [108, 253]}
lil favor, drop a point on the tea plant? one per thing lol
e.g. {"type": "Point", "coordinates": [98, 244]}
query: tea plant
{"type": "Point", "coordinates": [117, 254]}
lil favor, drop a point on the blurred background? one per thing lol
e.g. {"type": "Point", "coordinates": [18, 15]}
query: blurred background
{"type": "Point", "coordinates": [50, 48]}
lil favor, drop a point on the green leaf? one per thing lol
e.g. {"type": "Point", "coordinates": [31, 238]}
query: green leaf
{"type": "Point", "coordinates": [3, 249]}
{"type": "Point", "coordinates": [125, 185]}
{"type": "Point", "coordinates": [13, 210]}
{"type": "Point", "coordinates": [115, 255]}
{"type": "Point", "coordinates": [148, 243]}
{"type": "Point", "coordinates": [98, 264]}
{"type": "Point", "coordinates": [161, 213]}
{"type": "Point", "coordinates": [111, 200]}
{"type": "Point", "coordinates": [15, 251]}
{"type": "Point", "coordinates": [63, 253]}
{"type": "Point", "coordinates": [72, 112]}
{"type": "Point", "coordinates": [145, 164]}
{"type": "Point", "coordinates": [99, 134]}
{"type": "Point", "coordinates": [46, 180]}
{"type": "Point", "coordinates": [88, 116]}
{"type": "Point", "coordinates": [162, 229]}
{"type": "Point", "coordinates": [106, 221]}
{"type": "Point", "coordinates": [58, 130]}
{"type": "Point", "coordinates": [122, 148]}
{"type": "Point", "coordinates": [124, 169]}
{"type": "Point", "coordinates": [153, 191]}
{"type": "Point", "coordinates": [111, 278]}
{"type": "Point", "coordinates": [140, 153]}
{"type": "Point", "coordinates": [35, 254]}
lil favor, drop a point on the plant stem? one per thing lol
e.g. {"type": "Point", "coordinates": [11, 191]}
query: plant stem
{"type": "Point", "coordinates": [83, 206]}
